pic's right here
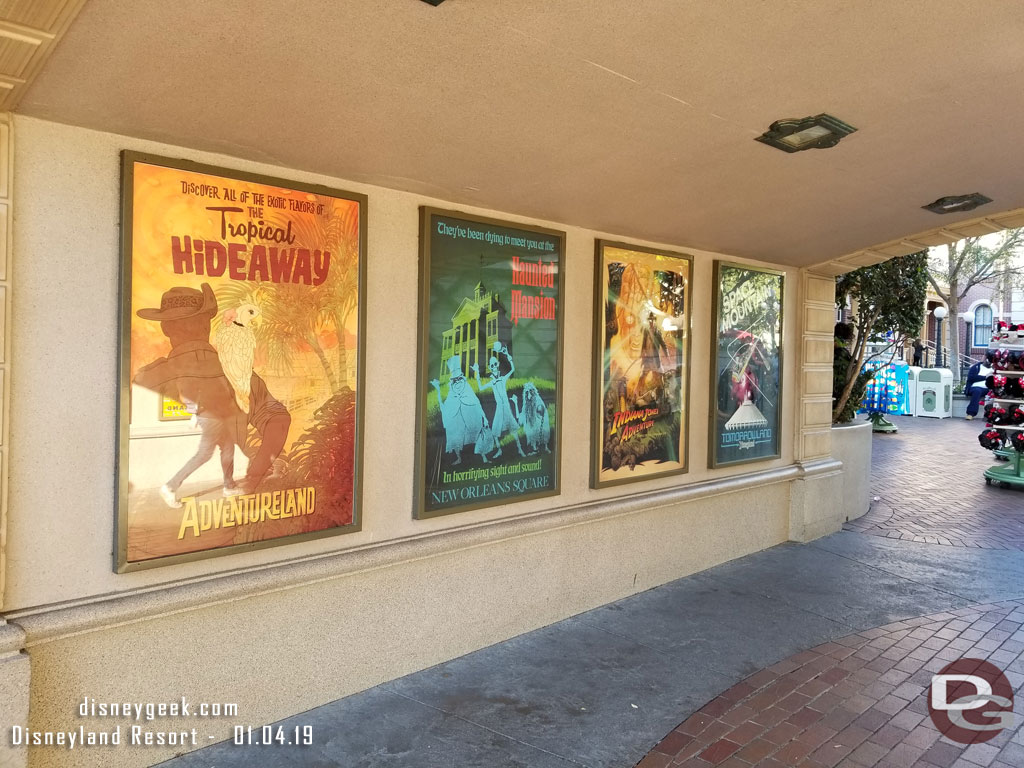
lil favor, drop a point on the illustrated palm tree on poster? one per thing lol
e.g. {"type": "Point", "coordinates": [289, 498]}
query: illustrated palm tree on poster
{"type": "Point", "coordinates": [296, 318]}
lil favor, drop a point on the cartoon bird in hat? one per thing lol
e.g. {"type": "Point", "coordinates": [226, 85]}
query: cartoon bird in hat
{"type": "Point", "coordinates": [235, 342]}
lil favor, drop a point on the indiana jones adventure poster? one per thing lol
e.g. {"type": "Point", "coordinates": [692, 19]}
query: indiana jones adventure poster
{"type": "Point", "coordinates": [747, 365]}
{"type": "Point", "coordinates": [641, 363]}
{"type": "Point", "coordinates": [240, 361]}
{"type": "Point", "coordinates": [490, 362]}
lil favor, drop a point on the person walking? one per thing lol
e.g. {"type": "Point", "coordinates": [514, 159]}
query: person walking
{"type": "Point", "coordinates": [976, 386]}
{"type": "Point", "coordinates": [191, 373]}
{"type": "Point", "coordinates": [918, 352]}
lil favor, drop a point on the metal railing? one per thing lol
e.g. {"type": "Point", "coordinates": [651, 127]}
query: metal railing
{"type": "Point", "coordinates": [930, 358]}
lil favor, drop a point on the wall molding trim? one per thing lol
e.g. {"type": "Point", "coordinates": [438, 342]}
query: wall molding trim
{"type": "Point", "coordinates": [49, 623]}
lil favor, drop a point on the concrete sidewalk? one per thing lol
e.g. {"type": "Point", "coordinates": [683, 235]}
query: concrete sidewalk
{"type": "Point", "coordinates": [602, 688]}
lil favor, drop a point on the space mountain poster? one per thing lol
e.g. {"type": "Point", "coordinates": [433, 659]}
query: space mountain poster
{"type": "Point", "coordinates": [490, 362]}
{"type": "Point", "coordinates": [747, 369]}
{"type": "Point", "coordinates": [240, 361]}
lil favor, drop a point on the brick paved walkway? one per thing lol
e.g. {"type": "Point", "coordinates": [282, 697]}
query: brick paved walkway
{"type": "Point", "coordinates": [858, 702]}
{"type": "Point", "coordinates": [929, 484]}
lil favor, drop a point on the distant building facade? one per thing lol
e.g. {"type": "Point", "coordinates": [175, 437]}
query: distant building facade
{"type": "Point", "coordinates": [990, 304]}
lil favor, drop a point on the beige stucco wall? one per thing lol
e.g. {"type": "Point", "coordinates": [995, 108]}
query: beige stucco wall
{"type": "Point", "coordinates": [346, 634]}
{"type": "Point", "coordinates": [15, 677]}
{"type": "Point", "coordinates": [345, 612]}
{"type": "Point", "coordinates": [64, 388]}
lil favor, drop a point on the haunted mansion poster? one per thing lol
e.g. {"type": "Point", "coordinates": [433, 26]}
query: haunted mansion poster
{"type": "Point", "coordinates": [490, 362]}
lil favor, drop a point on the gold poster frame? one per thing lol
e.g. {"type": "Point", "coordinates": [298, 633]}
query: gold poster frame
{"type": "Point", "coordinates": [716, 309]}
{"type": "Point", "coordinates": [423, 364]}
{"type": "Point", "coordinates": [598, 393]}
{"type": "Point", "coordinates": [129, 159]}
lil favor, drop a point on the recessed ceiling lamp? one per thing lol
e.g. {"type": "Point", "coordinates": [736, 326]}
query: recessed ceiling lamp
{"type": "Point", "coordinates": [818, 132]}
{"type": "Point", "coordinates": [434, 2]}
{"type": "Point", "coordinates": [957, 203]}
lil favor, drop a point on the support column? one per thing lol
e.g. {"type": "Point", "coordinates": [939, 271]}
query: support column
{"type": "Point", "coordinates": [6, 172]}
{"type": "Point", "coordinates": [15, 673]}
{"type": "Point", "coordinates": [818, 319]}
{"type": "Point", "coordinates": [813, 511]}
{"type": "Point", "coordinates": [14, 662]}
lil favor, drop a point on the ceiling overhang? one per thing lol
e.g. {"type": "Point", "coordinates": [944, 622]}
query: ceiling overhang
{"type": "Point", "coordinates": [29, 31]}
{"type": "Point", "coordinates": [641, 125]}
{"type": "Point", "coordinates": [922, 241]}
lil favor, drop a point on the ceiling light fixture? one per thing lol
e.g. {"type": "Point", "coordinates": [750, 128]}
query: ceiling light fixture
{"type": "Point", "coordinates": [434, 2]}
{"type": "Point", "coordinates": [957, 203]}
{"type": "Point", "coordinates": [817, 132]}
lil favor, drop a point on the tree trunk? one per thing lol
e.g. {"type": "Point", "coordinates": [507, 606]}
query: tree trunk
{"type": "Point", "coordinates": [332, 380]}
{"type": "Point", "coordinates": [339, 330]}
{"type": "Point", "coordinates": [342, 358]}
{"type": "Point", "coordinates": [853, 369]}
{"type": "Point", "coordinates": [1006, 304]}
{"type": "Point", "coordinates": [954, 330]}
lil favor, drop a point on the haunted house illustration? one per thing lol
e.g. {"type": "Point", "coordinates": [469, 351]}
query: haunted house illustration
{"type": "Point", "coordinates": [478, 323]}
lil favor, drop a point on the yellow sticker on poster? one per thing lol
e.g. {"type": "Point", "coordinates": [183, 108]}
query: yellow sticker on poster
{"type": "Point", "coordinates": [172, 410]}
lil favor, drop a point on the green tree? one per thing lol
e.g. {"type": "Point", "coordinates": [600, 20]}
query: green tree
{"type": "Point", "coordinates": [956, 268]}
{"type": "Point", "coordinates": [887, 298]}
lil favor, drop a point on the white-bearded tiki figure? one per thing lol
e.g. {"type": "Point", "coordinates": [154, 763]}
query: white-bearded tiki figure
{"type": "Point", "coordinates": [533, 418]}
{"type": "Point", "coordinates": [235, 342]}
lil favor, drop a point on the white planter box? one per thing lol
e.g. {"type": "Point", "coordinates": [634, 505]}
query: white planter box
{"type": "Point", "coordinates": [960, 406]}
{"type": "Point", "coordinates": [851, 444]}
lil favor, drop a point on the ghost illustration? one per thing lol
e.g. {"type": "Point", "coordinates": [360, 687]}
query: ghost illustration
{"type": "Point", "coordinates": [534, 419]}
{"type": "Point", "coordinates": [462, 415]}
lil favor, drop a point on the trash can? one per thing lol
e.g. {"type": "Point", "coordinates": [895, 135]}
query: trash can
{"type": "Point", "coordinates": [913, 372]}
{"type": "Point", "coordinates": [935, 393]}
